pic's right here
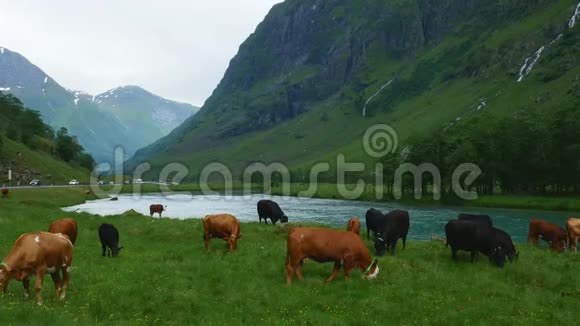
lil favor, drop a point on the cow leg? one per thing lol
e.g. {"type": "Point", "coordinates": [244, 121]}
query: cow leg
{"type": "Point", "coordinates": [473, 255]}
{"type": "Point", "coordinates": [38, 286]}
{"type": "Point", "coordinates": [26, 285]}
{"type": "Point", "coordinates": [57, 282]}
{"type": "Point", "coordinates": [293, 265]}
{"type": "Point", "coordinates": [65, 280]}
{"type": "Point", "coordinates": [453, 253]}
{"type": "Point", "coordinates": [289, 273]}
{"type": "Point", "coordinates": [206, 240]}
{"type": "Point", "coordinates": [104, 249]}
{"type": "Point", "coordinates": [404, 242]}
{"type": "Point", "coordinates": [298, 270]}
{"type": "Point", "coordinates": [394, 246]}
{"type": "Point", "coordinates": [335, 271]}
{"type": "Point", "coordinates": [348, 266]}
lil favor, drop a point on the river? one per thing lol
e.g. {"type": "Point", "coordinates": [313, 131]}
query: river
{"type": "Point", "coordinates": [425, 220]}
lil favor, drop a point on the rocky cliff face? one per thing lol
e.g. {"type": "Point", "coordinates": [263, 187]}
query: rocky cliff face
{"type": "Point", "coordinates": [311, 54]}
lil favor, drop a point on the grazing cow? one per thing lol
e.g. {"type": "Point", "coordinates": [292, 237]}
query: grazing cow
{"type": "Point", "coordinates": [549, 232]}
{"type": "Point", "coordinates": [485, 219]}
{"type": "Point", "coordinates": [270, 209]}
{"type": "Point", "coordinates": [573, 227]}
{"type": "Point", "coordinates": [222, 226]}
{"type": "Point", "coordinates": [5, 192]}
{"type": "Point", "coordinates": [474, 237]}
{"type": "Point", "coordinates": [353, 226]}
{"type": "Point", "coordinates": [504, 240]}
{"type": "Point", "coordinates": [109, 236]}
{"type": "Point", "coordinates": [156, 209]}
{"type": "Point", "coordinates": [327, 245]}
{"type": "Point", "coordinates": [395, 227]}
{"type": "Point", "coordinates": [374, 220]}
{"type": "Point", "coordinates": [67, 226]}
{"type": "Point", "coordinates": [36, 254]}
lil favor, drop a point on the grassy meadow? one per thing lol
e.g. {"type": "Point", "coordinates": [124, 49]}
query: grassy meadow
{"type": "Point", "coordinates": [164, 276]}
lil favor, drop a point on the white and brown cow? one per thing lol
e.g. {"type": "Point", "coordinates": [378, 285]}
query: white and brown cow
{"type": "Point", "coordinates": [36, 254]}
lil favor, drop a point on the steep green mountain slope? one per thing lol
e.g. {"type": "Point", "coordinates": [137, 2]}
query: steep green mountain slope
{"type": "Point", "coordinates": [296, 90]}
{"type": "Point", "coordinates": [30, 149]}
{"type": "Point", "coordinates": [126, 116]}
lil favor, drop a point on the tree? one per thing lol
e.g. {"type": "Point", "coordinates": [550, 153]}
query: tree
{"type": "Point", "coordinates": [67, 147]}
{"type": "Point", "coordinates": [86, 161]}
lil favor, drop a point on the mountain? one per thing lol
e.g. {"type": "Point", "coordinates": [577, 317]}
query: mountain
{"type": "Point", "coordinates": [316, 74]}
{"type": "Point", "coordinates": [128, 116]}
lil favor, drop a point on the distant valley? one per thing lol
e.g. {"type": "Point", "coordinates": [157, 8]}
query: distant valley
{"type": "Point", "coordinates": [127, 116]}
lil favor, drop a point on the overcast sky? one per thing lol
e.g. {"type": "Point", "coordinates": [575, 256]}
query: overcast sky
{"type": "Point", "coordinates": [178, 49]}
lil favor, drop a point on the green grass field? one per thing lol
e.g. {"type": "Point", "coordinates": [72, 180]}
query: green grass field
{"type": "Point", "coordinates": [164, 276]}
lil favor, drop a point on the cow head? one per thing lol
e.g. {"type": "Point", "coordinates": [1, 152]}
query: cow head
{"type": "Point", "coordinates": [513, 255]}
{"type": "Point", "coordinates": [284, 219]}
{"type": "Point", "coordinates": [497, 256]}
{"type": "Point", "coordinates": [233, 242]}
{"type": "Point", "coordinates": [380, 246]}
{"type": "Point", "coordinates": [372, 270]}
{"type": "Point", "coordinates": [115, 251]}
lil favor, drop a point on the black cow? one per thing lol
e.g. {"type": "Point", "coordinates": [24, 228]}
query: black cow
{"type": "Point", "coordinates": [474, 237]}
{"type": "Point", "coordinates": [484, 219]}
{"type": "Point", "coordinates": [375, 220]}
{"type": "Point", "coordinates": [395, 227]}
{"type": "Point", "coordinates": [109, 236]}
{"type": "Point", "coordinates": [270, 209]}
{"type": "Point", "coordinates": [504, 240]}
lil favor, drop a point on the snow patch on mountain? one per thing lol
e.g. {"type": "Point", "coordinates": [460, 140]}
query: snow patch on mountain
{"type": "Point", "coordinates": [4, 89]}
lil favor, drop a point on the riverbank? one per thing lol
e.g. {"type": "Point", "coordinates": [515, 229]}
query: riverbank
{"type": "Point", "coordinates": [164, 275]}
{"type": "Point", "coordinates": [330, 191]}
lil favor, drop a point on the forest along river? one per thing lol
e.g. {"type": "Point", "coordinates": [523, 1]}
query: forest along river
{"type": "Point", "coordinates": [425, 220]}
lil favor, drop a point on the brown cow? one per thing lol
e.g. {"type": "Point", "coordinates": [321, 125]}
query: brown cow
{"type": "Point", "coordinates": [573, 227]}
{"type": "Point", "coordinates": [353, 225]}
{"type": "Point", "coordinates": [66, 226]}
{"type": "Point", "coordinates": [37, 253]}
{"type": "Point", "coordinates": [156, 209]}
{"type": "Point", "coordinates": [327, 245]}
{"type": "Point", "coordinates": [548, 232]}
{"type": "Point", "coordinates": [223, 226]}
{"type": "Point", "coordinates": [5, 192]}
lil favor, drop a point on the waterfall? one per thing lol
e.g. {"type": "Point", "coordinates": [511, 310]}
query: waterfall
{"type": "Point", "coordinates": [529, 64]}
{"type": "Point", "coordinates": [364, 112]}
{"type": "Point", "coordinates": [576, 15]}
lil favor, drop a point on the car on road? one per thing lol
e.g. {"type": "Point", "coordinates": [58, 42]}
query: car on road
{"type": "Point", "coordinates": [35, 182]}
{"type": "Point", "coordinates": [101, 182]}
{"type": "Point", "coordinates": [74, 182]}
{"type": "Point", "coordinates": [137, 181]}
